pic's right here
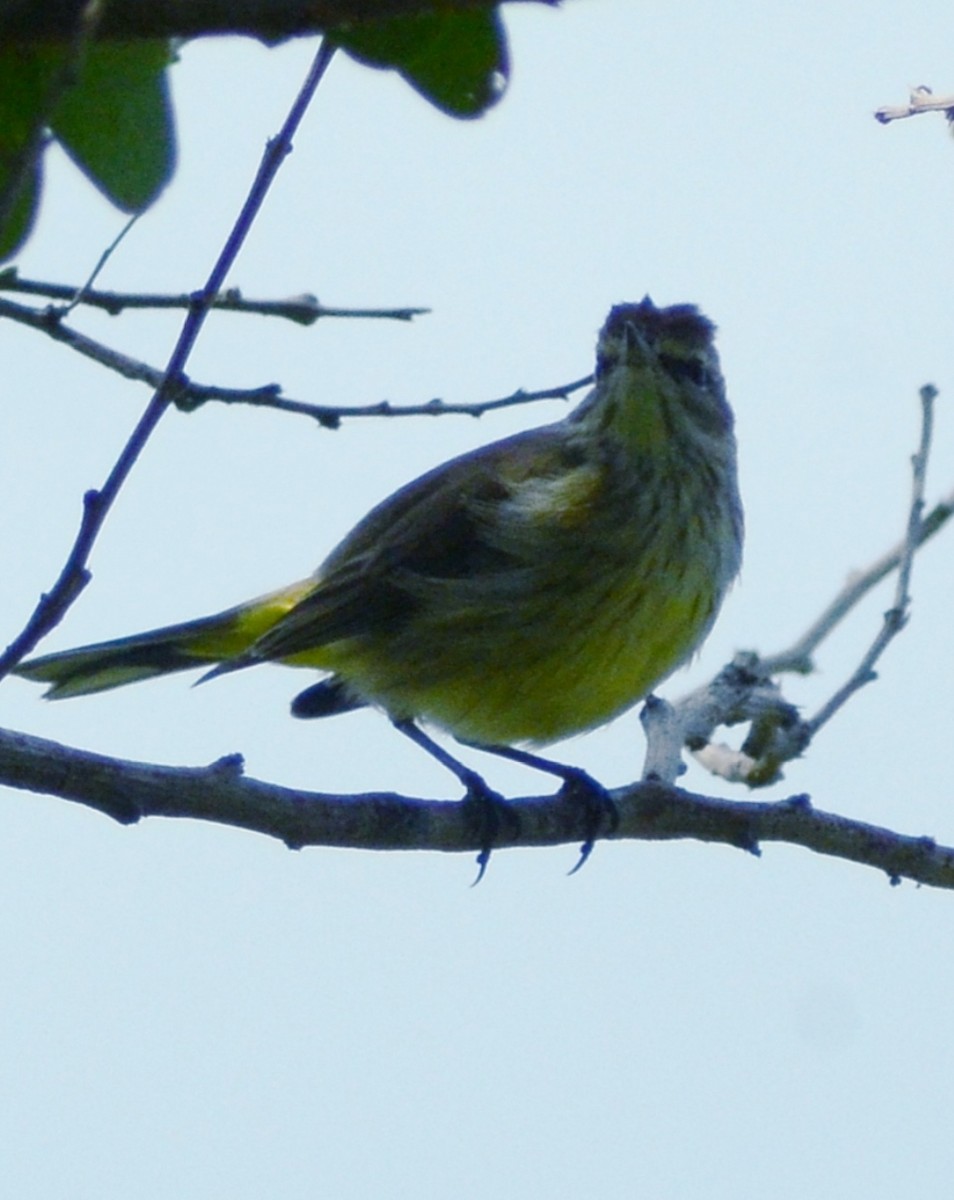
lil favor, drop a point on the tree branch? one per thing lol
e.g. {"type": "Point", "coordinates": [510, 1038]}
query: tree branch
{"type": "Point", "coordinates": [96, 504]}
{"type": "Point", "coordinates": [920, 100]}
{"type": "Point", "coordinates": [745, 690]}
{"type": "Point", "coordinates": [799, 657]}
{"type": "Point", "coordinates": [648, 811]}
{"type": "Point", "coordinates": [303, 310]}
{"type": "Point", "coordinates": [29, 21]}
{"type": "Point", "coordinates": [896, 617]}
{"type": "Point", "coordinates": [189, 395]}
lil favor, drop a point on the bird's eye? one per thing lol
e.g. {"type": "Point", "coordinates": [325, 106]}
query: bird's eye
{"type": "Point", "coordinates": [692, 369]}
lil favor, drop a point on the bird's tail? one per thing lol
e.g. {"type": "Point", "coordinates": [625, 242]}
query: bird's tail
{"type": "Point", "coordinates": [182, 647]}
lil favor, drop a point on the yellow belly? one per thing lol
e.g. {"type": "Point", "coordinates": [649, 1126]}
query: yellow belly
{"type": "Point", "coordinates": [570, 665]}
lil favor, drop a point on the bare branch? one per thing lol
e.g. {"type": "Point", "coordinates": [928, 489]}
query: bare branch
{"type": "Point", "coordinates": [75, 574]}
{"type": "Point", "coordinates": [303, 310]}
{"type": "Point", "coordinates": [649, 810]}
{"type": "Point", "coordinates": [665, 738]}
{"type": "Point", "coordinates": [80, 293]}
{"type": "Point", "coordinates": [920, 100]}
{"type": "Point", "coordinates": [746, 692]}
{"type": "Point", "coordinates": [438, 407]}
{"type": "Point", "coordinates": [897, 616]}
{"type": "Point", "coordinates": [189, 395]}
{"type": "Point", "coordinates": [799, 656]}
{"type": "Point", "coordinates": [330, 416]}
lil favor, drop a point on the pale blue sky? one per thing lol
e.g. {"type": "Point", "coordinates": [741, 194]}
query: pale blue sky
{"type": "Point", "coordinates": [189, 1011]}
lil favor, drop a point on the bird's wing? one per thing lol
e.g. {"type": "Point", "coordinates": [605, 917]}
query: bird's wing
{"type": "Point", "coordinates": [469, 526]}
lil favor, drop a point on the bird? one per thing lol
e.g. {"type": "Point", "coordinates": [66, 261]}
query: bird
{"type": "Point", "coordinates": [528, 590]}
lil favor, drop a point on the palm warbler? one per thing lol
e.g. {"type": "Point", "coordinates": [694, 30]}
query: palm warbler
{"type": "Point", "coordinates": [523, 592]}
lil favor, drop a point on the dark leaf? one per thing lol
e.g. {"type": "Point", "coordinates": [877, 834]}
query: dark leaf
{"type": "Point", "coordinates": [457, 60]}
{"type": "Point", "coordinates": [26, 80]}
{"type": "Point", "coordinates": [19, 220]}
{"type": "Point", "coordinates": [116, 123]}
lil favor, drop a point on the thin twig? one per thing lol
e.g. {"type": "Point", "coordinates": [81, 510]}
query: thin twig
{"type": "Point", "coordinates": [477, 408]}
{"type": "Point", "coordinates": [330, 416]}
{"type": "Point", "coordinates": [920, 100]}
{"type": "Point", "coordinates": [799, 657]}
{"type": "Point", "coordinates": [190, 395]}
{"type": "Point", "coordinates": [303, 310]}
{"type": "Point", "coordinates": [80, 294]}
{"type": "Point", "coordinates": [746, 691]}
{"type": "Point", "coordinates": [896, 617]}
{"type": "Point", "coordinates": [96, 505]}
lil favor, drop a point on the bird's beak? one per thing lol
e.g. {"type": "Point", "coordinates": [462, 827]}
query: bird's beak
{"type": "Point", "coordinates": [635, 343]}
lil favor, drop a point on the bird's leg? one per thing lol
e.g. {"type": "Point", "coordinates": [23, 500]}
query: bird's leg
{"type": "Point", "coordinates": [599, 807]}
{"type": "Point", "coordinates": [492, 808]}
